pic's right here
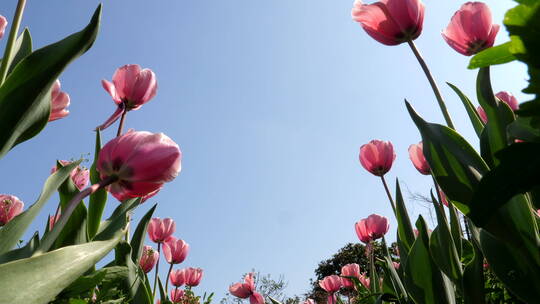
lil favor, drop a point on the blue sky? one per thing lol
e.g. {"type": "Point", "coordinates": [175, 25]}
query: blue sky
{"type": "Point", "coordinates": [269, 102]}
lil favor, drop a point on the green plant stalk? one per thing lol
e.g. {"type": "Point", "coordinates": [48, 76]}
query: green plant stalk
{"type": "Point", "coordinates": [157, 270]}
{"type": "Point", "coordinates": [11, 39]}
{"type": "Point", "coordinates": [167, 280]}
{"type": "Point", "coordinates": [392, 203]}
{"type": "Point", "coordinates": [433, 84]}
{"type": "Point", "coordinates": [121, 125]}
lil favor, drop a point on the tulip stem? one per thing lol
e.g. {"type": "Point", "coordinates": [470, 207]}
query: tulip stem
{"type": "Point", "coordinates": [121, 125]}
{"type": "Point", "coordinates": [388, 194]}
{"type": "Point", "coordinates": [8, 53]}
{"type": "Point", "coordinates": [49, 239]}
{"type": "Point", "coordinates": [167, 281]}
{"type": "Point", "coordinates": [157, 270]}
{"type": "Point", "coordinates": [433, 84]}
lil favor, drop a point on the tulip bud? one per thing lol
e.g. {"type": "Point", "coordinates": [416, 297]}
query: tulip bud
{"type": "Point", "coordinates": [377, 157]}
{"type": "Point", "coordinates": [140, 161]}
{"type": "Point", "coordinates": [149, 258]}
{"type": "Point", "coordinates": [503, 96]}
{"type": "Point", "coordinates": [416, 154]}
{"type": "Point", "coordinates": [175, 250]}
{"type": "Point", "coordinates": [160, 230]}
{"type": "Point", "coordinates": [131, 87]}
{"type": "Point", "coordinates": [79, 175]}
{"type": "Point", "coordinates": [331, 283]}
{"type": "Point", "coordinates": [471, 30]}
{"type": "Point", "coordinates": [364, 279]}
{"type": "Point", "coordinates": [59, 102]}
{"type": "Point", "coordinates": [177, 295]}
{"type": "Point", "coordinates": [371, 228]}
{"type": "Point", "coordinates": [10, 207]}
{"type": "Point", "coordinates": [390, 22]}
{"type": "Point", "coordinates": [349, 270]}
{"type": "Point", "coordinates": [178, 277]}
{"type": "Point", "coordinates": [193, 276]}
{"type": "Point", "coordinates": [3, 25]}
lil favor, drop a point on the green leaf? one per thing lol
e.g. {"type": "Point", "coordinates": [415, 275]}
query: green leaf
{"type": "Point", "coordinates": [25, 96]}
{"type": "Point", "coordinates": [98, 199]}
{"type": "Point", "coordinates": [456, 166]}
{"type": "Point", "coordinates": [162, 292]}
{"type": "Point", "coordinates": [477, 123]}
{"type": "Point", "coordinates": [524, 129]}
{"type": "Point", "coordinates": [274, 301]}
{"type": "Point", "coordinates": [392, 276]}
{"type": "Point", "coordinates": [455, 228]}
{"type": "Point", "coordinates": [120, 211]}
{"type": "Point", "coordinates": [84, 283]}
{"type": "Point", "coordinates": [405, 230]}
{"type": "Point", "coordinates": [14, 230]}
{"type": "Point", "coordinates": [51, 272]}
{"type": "Point", "coordinates": [473, 278]}
{"type": "Point", "coordinates": [423, 280]}
{"type": "Point", "coordinates": [442, 247]}
{"type": "Point", "coordinates": [21, 49]}
{"type": "Point", "coordinates": [491, 56]}
{"type": "Point", "coordinates": [21, 253]}
{"type": "Point", "coordinates": [498, 113]}
{"type": "Point", "coordinates": [137, 242]}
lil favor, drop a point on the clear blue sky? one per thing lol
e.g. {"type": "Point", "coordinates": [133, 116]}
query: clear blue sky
{"type": "Point", "coordinates": [269, 102]}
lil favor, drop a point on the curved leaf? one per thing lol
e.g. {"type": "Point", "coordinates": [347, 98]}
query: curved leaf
{"type": "Point", "coordinates": [491, 56]}
{"type": "Point", "coordinates": [477, 123]}
{"type": "Point", "coordinates": [98, 199]}
{"type": "Point", "coordinates": [137, 242]}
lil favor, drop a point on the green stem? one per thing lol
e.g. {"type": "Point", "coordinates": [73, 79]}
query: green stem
{"type": "Point", "coordinates": [157, 270]}
{"type": "Point", "coordinates": [167, 281]}
{"type": "Point", "coordinates": [388, 194]}
{"type": "Point", "coordinates": [433, 84]}
{"type": "Point", "coordinates": [121, 125]}
{"type": "Point", "coordinates": [11, 40]}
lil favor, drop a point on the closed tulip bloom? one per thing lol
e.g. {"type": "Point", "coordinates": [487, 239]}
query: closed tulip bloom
{"type": "Point", "coordinates": [131, 87]}
{"type": "Point", "coordinates": [349, 270]}
{"type": "Point", "coordinates": [364, 279]}
{"type": "Point", "coordinates": [243, 290]}
{"type": "Point", "coordinates": [482, 114]}
{"type": "Point", "coordinates": [416, 154]}
{"type": "Point", "coordinates": [444, 200]}
{"type": "Point", "coordinates": [149, 258]}
{"type": "Point", "coordinates": [140, 161]}
{"type": "Point", "coordinates": [396, 265]}
{"type": "Point", "coordinates": [59, 102]}
{"type": "Point", "coordinates": [177, 295]}
{"type": "Point", "coordinates": [10, 207]}
{"type": "Point", "coordinates": [331, 283]}
{"type": "Point", "coordinates": [471, 29]}
{"type": "Point", "coordinates": [378, 225]}
{"type": "Point", "coordinates": [193, 276]}
{"type": "Point", "coordinates": [3, 25]}
{"type": "Point", "coordinates": [377, 157]}
{"type": "Point", "coordinates": [362, 231]}
{"type": "Point", "coordinates": [178, 277]}
{"type": "Point", "coordinates": [175, 250]}
{"type": "Point", "coordinates": [79, 175]}
{"type": "Point", "coordinates": [390, 22]}
{"type": "Point", "coordinates": [503, 96]}
{"type": "Point", "coordinates": [53, 219]}
{"type": "Point", "coordinates": [159, 230]}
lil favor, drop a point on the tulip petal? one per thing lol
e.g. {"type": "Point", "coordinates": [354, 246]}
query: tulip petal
{"type": "Point", "coordinates": [114, 117]}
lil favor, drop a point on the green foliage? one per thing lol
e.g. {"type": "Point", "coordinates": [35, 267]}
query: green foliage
{"type": "Point", "coordinates": [98, 199]}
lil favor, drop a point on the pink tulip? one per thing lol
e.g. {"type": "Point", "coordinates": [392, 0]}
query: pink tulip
{"type": "Point", "coordinates": [193, 276]}
{"type": "Point", "coordinates": [349, 270]}
{"type": "Point", "coordinates": [362, 231]}
{"type": "Point", "coordinates": [10, 207]}
{"type": "Point", "coordinates": [3, 25]}
{"type": "Point", "coordinates": [79, 175]}
{"type": "Point", "coordinates": [309, 301]}
{"type": "Point", "coordinates": [364, 279]}
{"type": "Point", "coordinates": [243, 290]}
{"type": "Point", "coordinates": [59, 102]}
{"type": "Point", "coordinates": [471, 30]}
{"type": "Point", "coordinates": [53, 219]}
{"type": "Point", "coordinates": [482, 114]}
{"type": "Point", "coordinates": [377, 156]}
{"type": "Point", "coordinates": [131, 87]}
{"type": "Point", "coordinates": [149, 258]}
{"type": "Point", "coordinates": [178, 277]}
{"type": "Point", "coordinates": [509, 99]}
{"type": "Point", "coordinates": [331, 283]}
{"type": "Point", "coordinates": [177, 295]}
{"type": "Point", "coordinates": [396, 265]}
{"type": "Point", "coordinates": [256, 298]}
{"type": "Point", "coordinates": [159, 230]}
{"type": "Point", "coordinates": [538, 212]}
{"type": "Point", "coordinates": [175, 250]}
{"type": "Point", "coordinates": [416, 154]}
{"type": "Point", "coordinates": [140, 161]}
{"type": "Point", "coordinates": [390, 22]}
{"type": "Point", "coordinates": [371, 228]}
{"type": "Point", "coordinates": [444, 200]}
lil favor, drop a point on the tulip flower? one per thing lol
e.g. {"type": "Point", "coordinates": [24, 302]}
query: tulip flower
{"type": "Point", "coordinates": [53, 219]}
{"type": "Point", "coordinates": [177, 295]}
{"type": "Point", "coordinates": [444, 200]}
{"type": "Point", "coordinates": [371, 228]}
{"type": "Point", "coordinates": [256, 298]}
{"type": "Point", "coordinates": [331, 284]}
{"type": "Point", "coordinates": [193, 276]}
{"type": "Point", "coordinates": [159, 230]}
{"type": "Point", "coordinates": [503, 96]}
{"type": "Point", "coordinates": [140, 163]}
{"type": "Point", "coordinates": [396, 265]}
{"type": "Point", "coordinates": [471, 29]}
{"type": "Point", "coordinates": [175, 250]}
{"type": "Point", "coordinates": [377, 157]}
{"type": "Point", "coordinates": [482, 114]}
{"type": "Point", "coordinates": [79, 175]}
{"type": "Point", "coordinates": [390, 22]}
{"type": "Point", "coordinates": [309, 301]}
{"type": "Point", "coordinates": [149, 258]}
{"type": "Point", "coordinates": [10, 207]}
{"type": "Point", "coordinates": [59, 102]}
{"type": "Point", "coordinates": [416, 154]}
{"type": "Point", "coordinates": [131, 87]}
{"type": "Point", "coordinates": [247, 290]}
{"type": "Point", "coordinates": [349, 270]}
{"type": "Point", "coordinates": [364, 279]}
{"type": "Point", "coordinates": [178, 277]}
{"type": "Point", "coordinates": [3, 25]}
